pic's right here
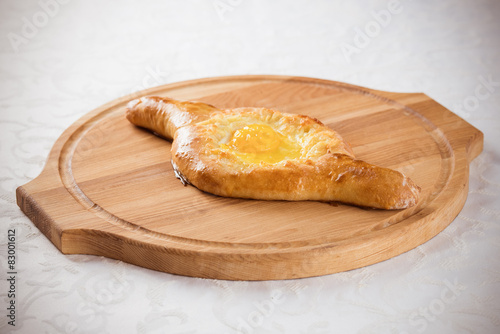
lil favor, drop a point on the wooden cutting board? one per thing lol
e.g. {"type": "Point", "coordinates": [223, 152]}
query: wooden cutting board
{"type": "Point", "coordinates": [108, 187]}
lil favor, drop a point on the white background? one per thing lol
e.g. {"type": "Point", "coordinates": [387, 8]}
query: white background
{"type": "Point", "coordinates": [61, 59]}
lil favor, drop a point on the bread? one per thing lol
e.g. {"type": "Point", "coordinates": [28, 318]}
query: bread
{"type": "Point", "coordinates": [259, 153]}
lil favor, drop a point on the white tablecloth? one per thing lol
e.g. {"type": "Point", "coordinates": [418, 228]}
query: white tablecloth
{"type": "Point", "coordinates": [59, 59]}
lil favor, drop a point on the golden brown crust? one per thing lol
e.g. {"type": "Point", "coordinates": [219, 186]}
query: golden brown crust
{"type": "Point", "coordinates": [164, 116]}
{"type": "Point", "coordinates": [325, 171]}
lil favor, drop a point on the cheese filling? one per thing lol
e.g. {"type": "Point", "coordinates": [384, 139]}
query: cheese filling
{"type": "Point", "coordinates": [258, 143]}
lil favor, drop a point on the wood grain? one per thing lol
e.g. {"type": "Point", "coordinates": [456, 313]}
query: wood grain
{"type": "Point", "coordinates": [108, 187]}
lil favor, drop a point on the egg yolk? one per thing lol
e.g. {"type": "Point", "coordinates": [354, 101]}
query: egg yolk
{"type": "Point", "coordinates": [258, 143]}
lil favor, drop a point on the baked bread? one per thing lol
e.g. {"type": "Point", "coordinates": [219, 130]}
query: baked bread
{"type": "Point", "coordinates": [258, 153]}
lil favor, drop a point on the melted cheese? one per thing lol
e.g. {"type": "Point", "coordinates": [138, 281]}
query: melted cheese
{"type": "Point", "coordinates": [257, 143]}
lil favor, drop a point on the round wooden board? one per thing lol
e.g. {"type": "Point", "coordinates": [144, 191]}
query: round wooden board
{"type": "Point", "coordinates": [108, 187]}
